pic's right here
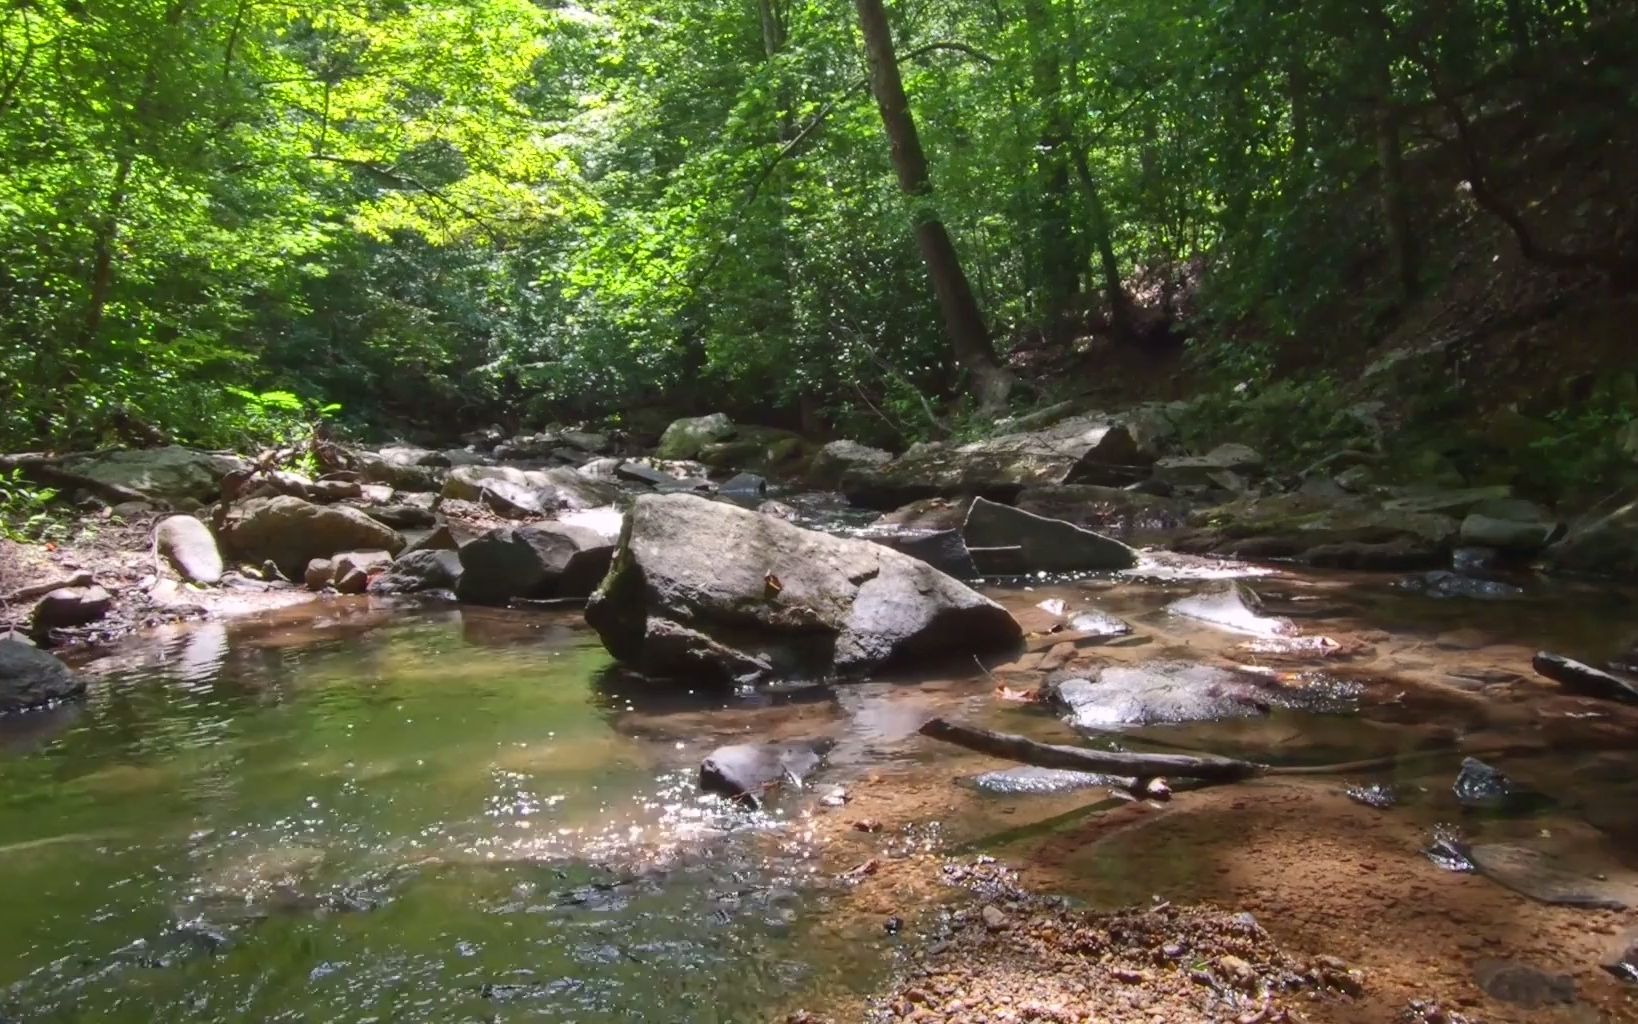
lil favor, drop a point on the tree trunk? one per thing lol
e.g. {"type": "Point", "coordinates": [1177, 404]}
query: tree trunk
{"type": "Point", "coordinates": [1390, 164]}
{"type": "Point", "coordinates": [1114, 294]}
{"type": "Point", "coordinates": [1059, 252]}
{"type": "Point", "coordinates": [963, 321]}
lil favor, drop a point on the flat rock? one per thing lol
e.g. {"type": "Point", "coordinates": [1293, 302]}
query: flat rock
{"type": "Point", "coordinates": [1523, 985]}
{"type": "Point", "coordinates": [189, 546]}
{"type": "Point", "coordinates": [1156, 693]}
{"type": "Point", "coordinates": [166, 474]}
{"type": "Point", "coordinates": [1543, 876]}
{"type": "Point", "coordinates": [1028, 780]}
{"type": "Point", "coordinates": [1507, 534]}
{"type": "Point", "coordinates": [29, 677]}
{"type": "Point", "coordinates": [944, 550]}
{"type": "Point", "coordinates": [1009, 541]}
{"type": "Point", "coordinates": [704, 588]}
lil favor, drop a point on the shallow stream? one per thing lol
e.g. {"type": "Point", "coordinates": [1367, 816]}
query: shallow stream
{"type": "Point", "coordinates": [363, 811]}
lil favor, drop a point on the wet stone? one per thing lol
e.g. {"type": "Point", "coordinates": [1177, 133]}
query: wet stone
{"type": "Point", "coordinates": [1375, 795]}
{"type": "Point", "coordinates": [1624, 964]}
{"type": "Point", "coordinates": [1447, 850]}
{"type": "Point", "coordinates": [1442, 583]}
{"type": "Point", "coordinates": [1523, 985]}
{"type": "Point", "coordinates": [1041, 781]}
{"type": "Point", "coordinates": [1482, 787]}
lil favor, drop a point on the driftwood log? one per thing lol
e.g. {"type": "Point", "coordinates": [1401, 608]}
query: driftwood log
{"type": "Point", "coordinates": [1209, 769]}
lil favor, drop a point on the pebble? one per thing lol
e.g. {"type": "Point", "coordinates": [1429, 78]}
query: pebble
{"type": "Point", "coordinates": [994, 919]}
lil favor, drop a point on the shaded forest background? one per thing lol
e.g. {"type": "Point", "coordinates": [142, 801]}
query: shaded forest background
{"type": "Point", "coordinates": [223, 219]}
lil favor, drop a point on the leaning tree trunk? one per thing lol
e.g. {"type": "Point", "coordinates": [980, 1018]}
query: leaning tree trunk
{"type": "Point", "coordinates": [969, 338]}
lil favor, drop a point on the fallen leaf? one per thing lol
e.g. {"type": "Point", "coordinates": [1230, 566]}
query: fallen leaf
{"type": "Point", "coordinates": [1030, 696]}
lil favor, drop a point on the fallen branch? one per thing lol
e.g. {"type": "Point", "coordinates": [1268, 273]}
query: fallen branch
{"type": "Point", "coordinates": [1082, 759]}
{"type": "Point", "coordinates": [48, 472]}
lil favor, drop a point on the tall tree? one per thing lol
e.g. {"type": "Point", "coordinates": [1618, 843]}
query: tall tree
{"type": "Point", "coordinates": [963, 321]}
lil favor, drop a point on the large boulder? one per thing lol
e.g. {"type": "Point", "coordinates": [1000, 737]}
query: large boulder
{"type": "Point", "coordinates": [1087, 449]}
{"type": "Point", "coordinates": [427, 569]}
{"type": "Point", "coordinates": [703, 588]}
{"type": "Point", "coordinates": [189, 546]}
{"type": "Point", "coordinates": [747, 772]}
{"type": "Point", "coordinates": [548, 560]}
{"type": "Point", "coordinates": [292, 532]}
{"type": "Point", "coordinates": [832, 462]}
{"type": "Point", "coordinates": [30, 677]}
{"type": "Point", "coordinates": [167, 474]}
{"type": "Point", "coordinates": [1009, 541]}
{"type": "Point", "coordinates": [685, 437]}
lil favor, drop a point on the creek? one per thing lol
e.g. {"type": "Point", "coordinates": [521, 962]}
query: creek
{"type": "Point", "coordinates": [372, 810]}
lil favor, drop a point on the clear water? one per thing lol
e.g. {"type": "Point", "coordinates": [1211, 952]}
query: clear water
{"type": "Point", "coordinates": [425, 815]}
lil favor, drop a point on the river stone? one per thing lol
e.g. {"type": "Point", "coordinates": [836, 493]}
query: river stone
{"type": "Point", "coordinates": [353, 569]}
{"type": "Point", "coordinates": [707, 588]}
{"type": "Point", "coordinates": [546, 560]}
{"type": "Point", "coordinates": [1507, 534]}
{"type": "Point", "coordinates": [1444, 583]}
{"type": "Point", "coordinates": [30, 677]}
{"type": "Point", "coordinates": [643, 473]}
{"type": "Point", "coordinates": [684, 438]}
{"type": "Point", "coordinates": [1156, 693]}
{"type": "Point", "coordinates": [832, 462]}
{"type": "Point", "coordinates": [1096, 623]}
{"type": "Point", "coordinates": [1543, 877]}
{"type": "Point", "coordinates": [1040, 544]}
{"type": "Point", "coordinates": [71, 606]}
{"type": "Point", "coordinates": [1478, 785]}
{"type": "Point", "coordinates": [587, 441]}
{"type": "Point", "coordinates": [1623, 963]}
{"type": "Point", "coordinates": [1522, 984]}
{"type": "Point", "coordinates": [427, 569]}
{"type": "Point", "coordinates": [291, 532]}
{"type": "Point", "coordinates": [318, 574]}
{"type": "Point", "coordinates": [516, 501]}
{"type": "Point", "coordinates": [944, 550]}
{"type": "Point", "coordinates": [744, 485]}
{"type": "Point", "coordinates": [747, 771]}
{"type": "Point", "coordinates": [1232, 607]}
{"type": "Point", "coordinates": [166, 474]}
{"type": "Point", "coordinates": [1028, 780]}
{"type": "Point", "coordinates": [190, 547]}
{"type": "Point", "coordinates": [1584, 680]}
{"type": "Point", "coordinates": [402, 517]}
{"type": "Point", "coordinates": [403, 467]}
{"type": "Point", "coordinates": [1087, 449]}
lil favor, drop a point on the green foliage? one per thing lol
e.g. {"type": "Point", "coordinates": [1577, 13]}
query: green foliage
{"type": "Point", "coordinates": [1291, 422]}
{"type": "Point", "coordinates": [25, 509]}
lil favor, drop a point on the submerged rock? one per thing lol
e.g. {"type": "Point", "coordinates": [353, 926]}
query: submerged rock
{"type": "Point", "coordinates": [1444, 583]}
{"type": "Point", "coordinates": [1156, 693]}
{"type": "Point", "coordinates": [291, 532]}
{"type": "Point", "coordinates": [1377, 795]}
{"type": "Point", "coordinates": [1096, 623]}
{"type": "Point", "coordinates": [1480, 785]}
{"type": "Point", "coordinates": [29, 677]}
{"type": "Point", "coordinates": [1624, 963]}
{"type": "Point", "coordinates": [703, 587]}
{"type": "Point", "coordinates": [1233, 607]}
{"type": "Point", "coordinates": [1041, 781]}
{"type": "Point", "coordinates": [1009, 541]}
{"type": "Point", "coordinates": [1543, 876]}
{"type": "Point", "coordinates": [748, 771]}
{"type": "Point", "coordinates": [1523, 985]}
{"type": "Point", "coordinates": [189, 546]}
{"type": "Point", "coordinates": [1584, 680]}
